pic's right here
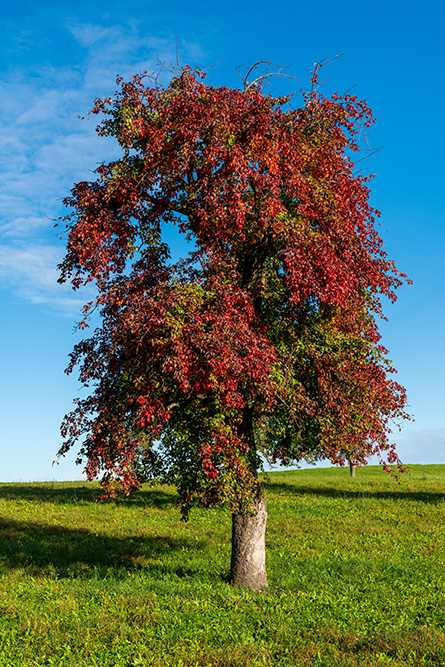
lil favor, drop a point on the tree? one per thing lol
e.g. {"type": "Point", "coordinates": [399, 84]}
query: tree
{"type": "Point", "coordinates": [262, 342]}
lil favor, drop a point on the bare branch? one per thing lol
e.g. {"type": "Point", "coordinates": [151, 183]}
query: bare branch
{"type": "Point", "coordinates": [317, 67]}
{"type": "Point", "coordinates": [263, 77]}
{"type": "Point", "coordinates": [370, 152]}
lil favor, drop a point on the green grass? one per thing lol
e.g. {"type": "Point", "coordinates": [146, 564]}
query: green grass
{"type": "Point", "coordinates": [356, 573]}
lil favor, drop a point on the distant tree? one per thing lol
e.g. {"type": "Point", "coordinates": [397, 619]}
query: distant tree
{"type": "Point", "coordinates": [262, 342]}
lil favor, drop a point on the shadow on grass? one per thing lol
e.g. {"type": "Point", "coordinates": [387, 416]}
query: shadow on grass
{"type": "Point", "coordinates": [72, 494]}
{"type": "Point", "coordinates": [71, 552]}
{"type": "Point", "coordinates": [332, 492]}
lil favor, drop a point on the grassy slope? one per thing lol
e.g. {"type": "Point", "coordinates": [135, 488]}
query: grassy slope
{"type": "Point", "coordinates": [356, 573]}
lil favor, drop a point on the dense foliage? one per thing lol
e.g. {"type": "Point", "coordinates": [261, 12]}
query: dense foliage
{"type": "Point", "coordinates": [263, 339]}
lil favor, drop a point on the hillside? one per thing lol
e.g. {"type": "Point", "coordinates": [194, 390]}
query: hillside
{"type": "Point", "coordinates": [355, 566]}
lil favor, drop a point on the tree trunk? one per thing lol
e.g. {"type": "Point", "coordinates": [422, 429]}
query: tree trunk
{"type": "Point", "coordinates": [248, 565]}
{"type": "Point", "coordinates": [352, 468]}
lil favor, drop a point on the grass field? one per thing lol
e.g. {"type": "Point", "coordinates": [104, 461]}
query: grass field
{"type": "Point", "coordinates": [355, 566]}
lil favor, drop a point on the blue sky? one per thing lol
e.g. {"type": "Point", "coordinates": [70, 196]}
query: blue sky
{"type": "Point", "coordinates": [55, 59]}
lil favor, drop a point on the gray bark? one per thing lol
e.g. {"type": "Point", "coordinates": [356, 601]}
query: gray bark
{"type": "Point", "coordinates": [352, 468]}
{"type": "Point", "coordinates": [248, 565]}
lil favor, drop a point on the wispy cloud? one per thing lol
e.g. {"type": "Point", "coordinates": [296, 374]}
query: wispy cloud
{"type": "Point", "coordinates": [30, 270]}
{"type": "Point", "coordinates": [45, 148]}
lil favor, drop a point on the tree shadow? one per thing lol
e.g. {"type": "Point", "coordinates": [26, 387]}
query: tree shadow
{"type": "Point", "coordinates": [332, 492]}
{"type": "Point", "coordinates": [73, 494]}
{"type": "Point", "coordinates": [62, 551]}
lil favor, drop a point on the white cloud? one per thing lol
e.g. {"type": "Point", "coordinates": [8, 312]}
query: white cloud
{"type": "Point", "coordinates": [45, 148]}
{"type": "Point", "coordinates": [31, 271]}
{"type": "Point", "coordinates": [89, 35]}
{"type": "Point", "coordinates": [36, 263]}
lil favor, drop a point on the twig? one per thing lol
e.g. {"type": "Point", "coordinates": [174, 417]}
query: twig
{"type": "Point", "coordinates": [266, 76]}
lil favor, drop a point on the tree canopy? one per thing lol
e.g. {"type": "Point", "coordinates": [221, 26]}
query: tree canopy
{"type": "Point", "coordinates": [262, 341]}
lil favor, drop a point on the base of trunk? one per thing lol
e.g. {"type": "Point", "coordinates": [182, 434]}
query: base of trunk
{"type": "Point", "coordinates": [248, 566]}
{"type": "Point", "coordinates": [352, 468]}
